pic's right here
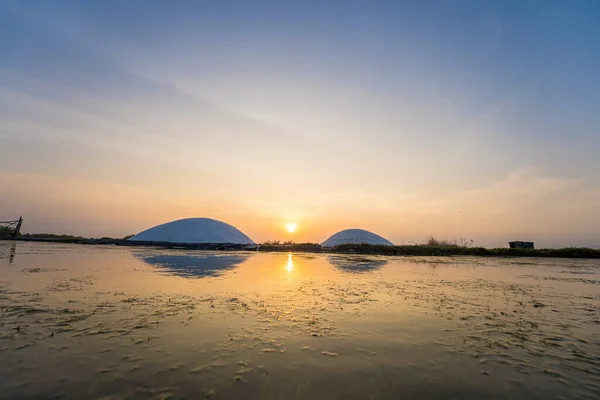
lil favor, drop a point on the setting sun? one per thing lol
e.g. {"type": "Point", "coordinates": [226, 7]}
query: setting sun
{"type": "Point", "coordinates": [291, 227]}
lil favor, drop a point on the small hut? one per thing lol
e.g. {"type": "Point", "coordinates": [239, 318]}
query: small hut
{"type": "Point", "coordinates": [521, 245]}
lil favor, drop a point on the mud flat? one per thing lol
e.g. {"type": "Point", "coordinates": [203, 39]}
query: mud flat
{"type": "Point", "coordinates": [129, 323]}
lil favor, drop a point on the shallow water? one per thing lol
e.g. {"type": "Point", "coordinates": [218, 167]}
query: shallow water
{"type": "Point", "coordinates": [109, 322]}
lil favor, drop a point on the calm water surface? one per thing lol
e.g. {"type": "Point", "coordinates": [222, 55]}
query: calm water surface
{"type": "Point", "coordinates": [118, 323]}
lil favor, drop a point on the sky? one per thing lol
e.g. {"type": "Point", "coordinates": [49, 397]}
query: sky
{"type": "Point", "coordinates": [459, 119]}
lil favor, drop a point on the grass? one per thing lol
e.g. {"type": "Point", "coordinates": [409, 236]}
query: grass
{"type": "Point", "coordinates": [51, 237]}
{"type": "Point", "coordinates": [431, 247]}
{"type": "Point", "coordinates": [433, 242]}
{"type": "Point", "coordinates": [455, 250]}
{"type": "Point", "coordinates": [290, 246]}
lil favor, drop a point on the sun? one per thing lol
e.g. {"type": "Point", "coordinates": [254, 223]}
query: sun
{"type": "Point", "coordinates": [291, 227]}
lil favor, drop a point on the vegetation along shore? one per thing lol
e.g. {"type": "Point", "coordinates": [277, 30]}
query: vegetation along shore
{"type": "Point", "coordinates": [426, 249]}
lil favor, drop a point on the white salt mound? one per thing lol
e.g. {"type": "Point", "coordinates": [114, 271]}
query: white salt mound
{"type": "Point", "coordinates": [194, 230]}
{"type": "Point", "coordinates": [355, 236]}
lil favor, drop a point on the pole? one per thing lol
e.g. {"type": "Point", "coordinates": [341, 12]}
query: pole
{"type": "Point", "coordinates": [18, 228]}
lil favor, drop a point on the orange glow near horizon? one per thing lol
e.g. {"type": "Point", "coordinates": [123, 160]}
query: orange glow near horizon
{"type": "Point", "coordinates": [73, 205]}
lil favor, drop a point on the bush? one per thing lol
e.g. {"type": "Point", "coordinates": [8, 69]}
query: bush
{"type": "Point", "coordinates": [432, 250]}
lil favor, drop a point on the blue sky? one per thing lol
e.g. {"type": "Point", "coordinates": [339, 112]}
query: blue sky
{"type": "Point", "coordinates": [406, 118]}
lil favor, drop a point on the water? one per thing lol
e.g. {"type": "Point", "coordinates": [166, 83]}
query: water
{"type": "Point", "coordinates": [118, 323]}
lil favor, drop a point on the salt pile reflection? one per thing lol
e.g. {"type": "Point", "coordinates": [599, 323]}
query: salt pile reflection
{"type": "Point", "coordinates": [192, 266]}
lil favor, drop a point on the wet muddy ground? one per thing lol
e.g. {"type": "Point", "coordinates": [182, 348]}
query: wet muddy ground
{"type": "Point", "coordinates": [117, 323]}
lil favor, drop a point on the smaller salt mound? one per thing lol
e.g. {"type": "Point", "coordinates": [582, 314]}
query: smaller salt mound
{"type": "Point", "coordinates": [355, 236]}
{"type": "Point", "coordinates": [194, 230]}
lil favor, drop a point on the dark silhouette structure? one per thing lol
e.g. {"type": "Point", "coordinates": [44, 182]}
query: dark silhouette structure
{"type": "Point", "coordinates": [521, 245]}
{"type": "Point", "coordinates": [13, 251]}
{"type": "Point", "coordinates": [11, 228]}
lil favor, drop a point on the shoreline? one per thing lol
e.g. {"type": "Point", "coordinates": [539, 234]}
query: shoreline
{"type": "Point", "coordinates": [363, 249]}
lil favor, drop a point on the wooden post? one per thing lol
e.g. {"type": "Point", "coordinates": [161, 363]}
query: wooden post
{"type": "Point", "coordinates": [13, 250]}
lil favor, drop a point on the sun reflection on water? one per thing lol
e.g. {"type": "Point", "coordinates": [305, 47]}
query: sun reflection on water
{"type": "Point", "coordinates": [290, 263]}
